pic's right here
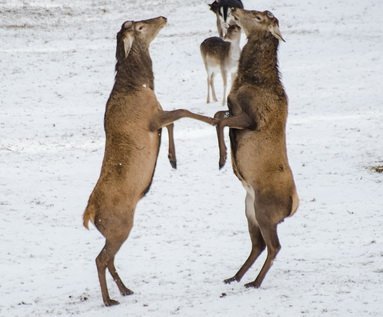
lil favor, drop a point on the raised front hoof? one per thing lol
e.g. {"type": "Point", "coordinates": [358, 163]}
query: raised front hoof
{"type": "Point", "coordinates": [222, 163]}
{"type": "Point", "coordinates": [173, 163]}
{"type": "Point", "coordinates": [231, 280]}
{"type": "Point", "coordinates": [111, 302]}
{"type": "Point", "coordinates": [126, 292]}
{"type": "Point", "coordinates": [254, 284]}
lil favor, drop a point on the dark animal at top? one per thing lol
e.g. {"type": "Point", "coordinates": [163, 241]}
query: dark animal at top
{"type": "Point", "coordinates": [222, 54]}
{"type": "Point", "coordinates": [222, 8]}
{"type": "Point", "coordinates": [257, 119]}
{"type": "Point", "coordinates": [133, 122]}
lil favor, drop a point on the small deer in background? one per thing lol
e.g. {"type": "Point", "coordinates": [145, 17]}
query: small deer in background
{"type": "Point", "coordinates": [222, 54]}
{"type": "Point", "coordinates": [133, 122]}
{"type": "Point", "coordinates": [221, 9]}
{"type": "Point", "coordinates": [257, 120]}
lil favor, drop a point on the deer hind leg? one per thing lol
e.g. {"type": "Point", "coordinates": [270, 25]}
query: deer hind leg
{"type": "Point", "coordinates": [211, 96]}
{"type": "Point", "coordinates": [172, 147]}
{"type": "Point", "coordinates": [270, 236]}
{"type": "Point", "coordinates": [224, 79]}
{"type": "Point", "coordinates": [208, 87]}
{"type": "Point", "coordinates": [257, 242]}
{"type": "Point", "coordinates": [212, 86]}
{"type": "Point", "coordinates": [112, 270]}
{"type": "Point", "coordinates": [106, 255]}
{"type": "Point", "coordinates": [106, 260]}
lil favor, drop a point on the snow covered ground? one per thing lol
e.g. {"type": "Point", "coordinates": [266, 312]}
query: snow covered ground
{"type": "Point", "coordinates": [57, 70]}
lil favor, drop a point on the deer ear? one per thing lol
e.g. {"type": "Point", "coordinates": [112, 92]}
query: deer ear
{"type": "Point", "coordinates": [274, 30]}
{"type": "Point", "coordinates": [126, 34]}
{"type": "Point", "coordinates": [127, 25]}
{"type": "Point", "coordinates": [128, 42]}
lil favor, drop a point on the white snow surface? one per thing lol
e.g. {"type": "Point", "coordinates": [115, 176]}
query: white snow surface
{"type": "Point", "coordinates": [57, 70]}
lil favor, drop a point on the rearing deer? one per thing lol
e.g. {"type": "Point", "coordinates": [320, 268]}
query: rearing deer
{"type": "Point", "coordinates": [222, 54]}
{"type": "Point", "coordinates": [257, 120]}
{"type": "Point", "coordinates": [133, 122]}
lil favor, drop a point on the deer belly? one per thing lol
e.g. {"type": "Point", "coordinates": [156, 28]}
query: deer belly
{"type": "Point", "coordinates": [148, 156]}
{"type": "Point", "coordinates": [135, 171]}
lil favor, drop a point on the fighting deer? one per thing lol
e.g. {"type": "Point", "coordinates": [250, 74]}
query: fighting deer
{"type": "Point", "coordinates": [221, 9]}
{"type": "Point", "coordinates": [223, 54]}
{"type": "Point", "coordinates": [257, 120]}
{"type": "Point", "coordinates": [133, 122]}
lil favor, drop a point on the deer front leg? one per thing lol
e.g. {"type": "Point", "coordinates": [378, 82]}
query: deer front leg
{"type": "Point", "coordinates": [165, 118]}
{"type": "Point", "coordinates": [241, 121]}
{"type": "Point", "coordinates": [220, 115]}
{"type": "Point", "coordinates": [172, 148]}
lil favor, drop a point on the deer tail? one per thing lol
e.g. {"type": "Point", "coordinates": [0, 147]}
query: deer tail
{"type": "Point", "coordinates": [88, 215]}
{"type": "Point", "coordinates": [294, 203]}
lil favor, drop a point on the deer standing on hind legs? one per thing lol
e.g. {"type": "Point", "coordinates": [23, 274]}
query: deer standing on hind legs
{"type": "Point", "coordinates": [257, 120]}
{"type": "Point", "coordinates": [133, 122]}
{"type": "Point", "coordinates": [222, 54]}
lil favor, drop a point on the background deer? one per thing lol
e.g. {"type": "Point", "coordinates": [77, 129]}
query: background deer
{"type": "Point", "coordinates": [257, 120]}
{"type": "Point", "coordinates": [221, 9]}
{"type": "Point", "coordinates": [222, 54]}
{"type": "Point", "coordinates": [133, 122]}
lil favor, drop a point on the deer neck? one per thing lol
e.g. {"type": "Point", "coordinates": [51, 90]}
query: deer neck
{"type": "Point", "coordinates": [135, 71]}
{"type": "Point", "coordinates": [259, 62]}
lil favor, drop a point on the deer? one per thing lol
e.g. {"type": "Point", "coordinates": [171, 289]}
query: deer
{"type": "Point", "coordinates": [133, 121]}
{"type": "Point", "coordinates": [221, 9]}
{"type": "Point", "coordinates": [222, 54]}
{"type": "Point", "coordinates": [257, 121]}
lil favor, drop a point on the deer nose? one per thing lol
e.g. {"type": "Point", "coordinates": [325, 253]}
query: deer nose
{"type": "Point", "coordinates": [163, 18]}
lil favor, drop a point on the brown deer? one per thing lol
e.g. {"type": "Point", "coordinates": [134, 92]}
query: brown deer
{"type": "Point", "coordinates": [257, 119]}
{"type": "Point", "coordinates": [222, 54]}
{"type": "Point", "coordinates": [133, 122]}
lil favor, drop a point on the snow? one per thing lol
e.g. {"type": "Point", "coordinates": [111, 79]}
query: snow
{"type": "Point", "coordinates": [190, 233]}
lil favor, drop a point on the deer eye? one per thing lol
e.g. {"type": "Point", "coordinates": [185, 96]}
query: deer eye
{"type": "Point", "coordinates": [258, 18]}
{"type": "Point", "coordinates": [140, 28]}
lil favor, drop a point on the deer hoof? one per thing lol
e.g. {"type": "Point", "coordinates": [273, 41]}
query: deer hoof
{"type": "Point", "coordinates": [173, 163]}
{"type": "Point", "coordinates": [230, 280]}
{"type": "Point", "coordinates": [222, 162]}
{"type": "Point", "coordinates": [252, 284]}
{"type": "Point", "coordinates": [126, 292]}
{"type": "Point", "coordinates": [111, 302]}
